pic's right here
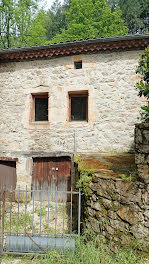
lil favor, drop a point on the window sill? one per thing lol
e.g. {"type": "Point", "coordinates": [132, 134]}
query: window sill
{"type": "Point", "coordinates": [39, 125]}
{"type": "Point", "coordinates": [79, 121]}
{"type": "Point", "coordinates": [78, 124]}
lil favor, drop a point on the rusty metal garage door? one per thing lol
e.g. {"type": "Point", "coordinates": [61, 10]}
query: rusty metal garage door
{"type": "Point", "coordinates": [52, 173]}
{"type": "Point", "coordinates": [7, 175]}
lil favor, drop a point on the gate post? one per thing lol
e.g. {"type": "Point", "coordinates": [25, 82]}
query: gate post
{"type": "Point", "coordinates": [1, 224]}
{"type": "Point", "coordinates": [2, 215]}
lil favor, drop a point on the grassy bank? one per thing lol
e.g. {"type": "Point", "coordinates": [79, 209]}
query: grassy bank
{"type": "Point", "coordinates": [91, 252]}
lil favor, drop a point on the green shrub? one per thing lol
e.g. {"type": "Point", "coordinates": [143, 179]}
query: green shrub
{"type": "Point", "coordinates": [143, 85]}
{"type": "Point", "coordinates": [84, 181]}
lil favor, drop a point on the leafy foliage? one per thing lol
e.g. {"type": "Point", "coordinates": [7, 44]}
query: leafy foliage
{"type": "Point", "coordinates": [134, 13]}
{"type": "Point", "coordinates": [92, 18]}
{"type": "Point", "coordinates": [15, 19]}
{"type": "Point", "coordinates": [38, 29]}
{"type": "Point", "coordinates": [23, 23]}
{"type": "Point", "coordinates": [58, 19]}
{"type": "Point", "coordinates": [84, 181]}
{"type": "Point", "coordinates": [143, 85]}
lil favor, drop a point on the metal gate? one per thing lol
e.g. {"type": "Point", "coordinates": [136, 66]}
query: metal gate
{"type": "Point", "coordinates": [28, 225]}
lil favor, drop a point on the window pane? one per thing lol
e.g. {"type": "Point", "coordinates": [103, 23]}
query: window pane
{"type": "Point", "coordinates": [78, 108]}
{"type": "Point", "coordinates": [78, 65]}
{"type": "Point", "coordinates": [41, 109]}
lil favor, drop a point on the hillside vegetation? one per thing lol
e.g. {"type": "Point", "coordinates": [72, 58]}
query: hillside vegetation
{"type": "Point", "coordinates": [23, 23]}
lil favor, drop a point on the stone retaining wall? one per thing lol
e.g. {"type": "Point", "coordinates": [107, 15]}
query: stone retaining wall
{"type": "Point", "coordinates": [118, 210]}
{"type": "Point", "coordinates": [142, 150]}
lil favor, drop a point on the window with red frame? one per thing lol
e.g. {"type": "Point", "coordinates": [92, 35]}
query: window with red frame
{"type": "Point", "coordinates": [78, 106]}
{"type": "Point", "coordinates": [40, 107]}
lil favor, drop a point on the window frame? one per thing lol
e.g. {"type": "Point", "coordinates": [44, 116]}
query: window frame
{"type": "Point", "coordinates": [32, 114]}
{"type": "Point", "coordinates": [78, 94]}
{"type": "Point", "coordinates": [78, 62]}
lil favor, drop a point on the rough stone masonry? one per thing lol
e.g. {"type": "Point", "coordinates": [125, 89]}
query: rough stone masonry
{"type": "Point", "coordinates": [142, 151]}
{"type": "Point", "coordinates": [119, 211]}
{"type": "Point", "coordinates": [113, 106]}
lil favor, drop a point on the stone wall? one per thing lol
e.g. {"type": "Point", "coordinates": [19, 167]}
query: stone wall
{"type": "Point", "coordinates": [142, 150]}
{"type": "Point", "coordinates": [118, 210]}
{"type": "Point", "coordinates": [113, 106]}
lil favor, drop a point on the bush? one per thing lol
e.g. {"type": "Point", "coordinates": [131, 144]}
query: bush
{"type": "Point", "coordinates": [143, 85]}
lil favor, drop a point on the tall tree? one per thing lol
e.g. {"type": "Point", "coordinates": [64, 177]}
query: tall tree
{"type": "Point", "coordinates": [66, 4]}
{"type": "Point", "coordinates": [113, 4]}
{"type": "Point", "coordinates": [135, 13]}
{"type": "Point", "coordinates": [24, 12]}
{"type": "Point", "coordinates": [58, 19]}
{"type": "Point", "coordinates": [6, 22]}
{"type": "Point", "coordinates": [38, 30]}
{"type": "Point", "coordinates": [92, 18]}
{"type": "Point", "coordinates": [15, 20]}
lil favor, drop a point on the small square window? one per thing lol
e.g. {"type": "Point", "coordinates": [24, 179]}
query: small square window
{"type": "Point", "coordinates": [78, 65]}
{"type": "Point", "coordinates": [78, 103]}
{"type": "Point", "coordinates": [40, 107]}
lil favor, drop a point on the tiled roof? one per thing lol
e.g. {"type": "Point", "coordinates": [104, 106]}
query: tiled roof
{"type": "Point", "coordinates": [128, 42]}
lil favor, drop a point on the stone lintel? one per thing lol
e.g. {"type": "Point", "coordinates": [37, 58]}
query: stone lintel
{"type": "Point", "coordinates": [43, 154]}
{"type": "Point", "coordinates": [8, 159]}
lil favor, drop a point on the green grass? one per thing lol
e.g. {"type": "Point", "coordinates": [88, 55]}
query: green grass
{"type": "Point", "coordinates": [18, 222]}
{"type": "Point", "coordinates": [41, 211]}
{"type": "Point", "coordinates": [90, 252]}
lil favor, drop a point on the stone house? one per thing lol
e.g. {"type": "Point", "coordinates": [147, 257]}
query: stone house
{"type": "Point", "coordinates": [60, 99]}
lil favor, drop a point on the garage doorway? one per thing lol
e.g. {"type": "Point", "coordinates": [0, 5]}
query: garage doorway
{"type": "Point", "coordinates": [7, 175]}
{"type": "Point", "coordinates": [52, 174]}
